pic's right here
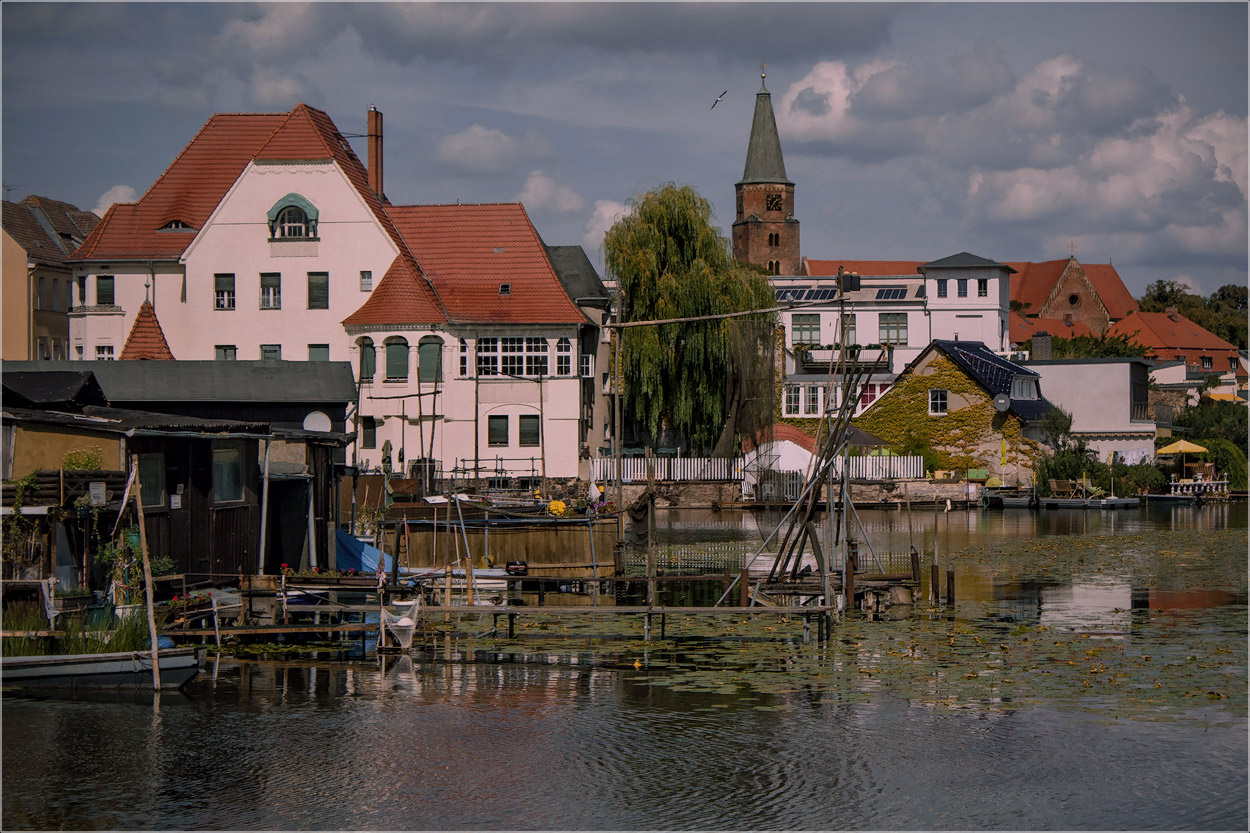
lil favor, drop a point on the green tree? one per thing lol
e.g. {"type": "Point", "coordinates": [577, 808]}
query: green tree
{"type": "Point", "coordinates": [1092, 347]}
{"type": "Point", "coordinates": [1055, 427]}
{"type": "Point", "coordinates": [701, 379]}
{"type": "Point", "coordinates": [1216, 418]}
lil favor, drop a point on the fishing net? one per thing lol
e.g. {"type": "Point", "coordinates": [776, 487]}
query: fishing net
{"type": "Point", "coordinates": [400, 621]}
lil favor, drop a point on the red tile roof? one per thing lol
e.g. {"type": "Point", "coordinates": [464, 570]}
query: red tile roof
{"type": "Point", "coordinates": [1023, 329]}
{"type": "Point", "coordinates": [146, 339]}
{"type": "Point", "coordinates": [469, 251]}
{"type": "Point", "coordinates": [1033, 282]}
{"type": "Point", "coordinates": [1161, 331]}
{"type": "Point", "coordinates": [188, 190]}
{"type": "Point", "coordinates": [871, 268]}
{"type": "Point", "coordinates": [781, 432]}
{"type": "Point", "coordinates": [402, 297]}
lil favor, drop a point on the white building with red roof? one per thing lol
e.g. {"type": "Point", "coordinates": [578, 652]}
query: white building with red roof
{"type": "Point", "coordinates": [266, 238]}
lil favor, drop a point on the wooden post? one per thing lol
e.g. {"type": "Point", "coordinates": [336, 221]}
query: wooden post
{"type": "Point", "coordinates": [950, 587]}
{"type": "Point", "coordinates": [744, 579]}
{"type": "Point", "coordinates": [852, 557]}
{"type": "Point", "coordinates": [447, 591]}
{"type": "Point", "coordinates": [147, 576]}
{"type": "Point", "coordinates": [511, 625]}
{"type": "Point", "coordinates": [915, 566]}
{"type": "Point", "coordinates": [933, 582]}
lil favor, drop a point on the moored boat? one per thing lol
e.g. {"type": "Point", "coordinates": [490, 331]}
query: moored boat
{"type": "Point", "coordinates": [125, 669]}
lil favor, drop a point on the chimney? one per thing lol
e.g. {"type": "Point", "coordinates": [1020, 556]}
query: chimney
{"type": "Point", "coordinates": [1173, 313]}
{"type": "Point", "coordinates": [374, 130]}
{"type": "Point", "coordinates": [1041, 346]}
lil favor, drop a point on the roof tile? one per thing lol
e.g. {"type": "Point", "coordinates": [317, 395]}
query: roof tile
{"type": "Point", "coordinates": [146, 339]}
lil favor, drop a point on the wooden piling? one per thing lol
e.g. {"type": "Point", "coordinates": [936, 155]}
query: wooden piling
{"type": "Point", "coordinates": [933, 582]}
{"type": "Point", "coordinates": [915, 567]}
{"type": "Point", "coordinates": [950, 587]}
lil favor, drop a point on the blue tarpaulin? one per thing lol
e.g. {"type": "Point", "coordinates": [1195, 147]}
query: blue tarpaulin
{"type": "Point", "coordinates": [354, 554]}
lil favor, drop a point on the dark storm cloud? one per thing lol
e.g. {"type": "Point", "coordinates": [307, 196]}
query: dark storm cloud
{"type": "Point", "coordinates": [952, 85]}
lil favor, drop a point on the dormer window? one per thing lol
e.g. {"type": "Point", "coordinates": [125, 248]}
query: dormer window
{"type": "Point", "coordinates": [176, 225]}
{"type": "Point", "coordinates": [293, 218]}
{"type": "Point", "coordinates": [505, 289]}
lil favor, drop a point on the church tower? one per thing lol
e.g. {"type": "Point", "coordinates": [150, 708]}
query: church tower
{"type": "Point", "coordinates": [764, 231]}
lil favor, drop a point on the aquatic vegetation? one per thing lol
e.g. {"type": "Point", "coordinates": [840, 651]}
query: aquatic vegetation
{"type": "Point", "coordinates": [1153, 659]}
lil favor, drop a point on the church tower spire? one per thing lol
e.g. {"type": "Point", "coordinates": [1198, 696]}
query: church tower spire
{"type": "Point", "coordinates": [764, 231]}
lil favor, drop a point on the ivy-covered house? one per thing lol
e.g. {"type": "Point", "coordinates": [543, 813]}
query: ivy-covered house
{"type": "Point", "coordinates": [975, 409]}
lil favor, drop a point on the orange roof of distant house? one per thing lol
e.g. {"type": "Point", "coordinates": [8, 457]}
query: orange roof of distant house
{"type": "Point", "coordinates": [1161, 330]}
{"type": "Point", "coordinates": [486, 262]}
{"type": "Point", "coordinates": [1023, 329]}
{"type": "Point", "coordinates": [146, 339]}
{"type": "Point", "coordinates": [869, 268]}
{"type": "Point", "coordinates": [1033, 283]}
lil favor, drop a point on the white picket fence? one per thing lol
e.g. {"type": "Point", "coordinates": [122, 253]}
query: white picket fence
{"type": "Point", "coordinates": [672, 469]}
{"type": "Point", "coordinates": [733, 469]}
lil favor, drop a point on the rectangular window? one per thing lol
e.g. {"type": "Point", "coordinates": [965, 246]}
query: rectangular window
{"type": "Point", "coordinates": [496, 430]}
{"type": "Point", "coordinates": [564, 357]}
{"type": "Point", "coordinates": [937, 402]}
{"type": "Point", "coordinates": [512, 355]}
{"type": "Point", "coordinates": [223, 291]}
{"type": "Point", "coordinates": [318, 290]}
{"type": "Point", "coordinates": [271, 290]}
{"type": "Point", "coordinates": [792, 400]}
{"type": "Point", "coordinates": [1207, 364]}
{"type": "Point", "coordinates": [587, 363]}
{"type": "Point", "coordinates": [368, 432]}
{"type": "Point", "coordinates": [983, 287]}
{"type": "Point", "coordinates": [851, 336]}
{"type": "Point", "coordinates": [464, 357]}
{"type": "Point", "coordinates": [41, 299]}
{"type": "Point", "coordinates": [104, 352]}
{"type": "Point", "coordinates": [366, 280]}
{"type": "Point", "coordinates": [270, 352]}
{"type": "Point", "coordinates": [227, 472]}
{"type": "Point", "coordinates": [962, 285]}
{"type": "Point", "coordinates": [1023, 387]}
{"type": "Point", "coordinates": [1232, 363]}
{"type": "Point", "coordinates": [152, 480]}
{"type": "Point", "coordinates": [805, 328]}
{"type": "Point", "coordinates": [488, 356]}
{"type": "Point", "coordinates": [82, 291]}
{"type": "Point", "coordinates": [941, 287]}
{"type": "Point", "coordinates": [41, 348]}
{"type": "Point", "coordinates": [535, 356]}
{"type": "Point", "coordinates": [529, 429]}
{"type": "Point", "coordinates": [226, 352]}
{"type": "Point", "coordinates": [811, 405]}
{"type": "Point", "coordinates": [893, 328]}
{"type": "Point", "coordinates": [104, 291]}
{"type": "Point", "coordinates": [319, 352]}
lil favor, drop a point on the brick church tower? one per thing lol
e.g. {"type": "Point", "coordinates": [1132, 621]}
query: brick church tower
{"type": "Point", "coordinates": [764, 231]}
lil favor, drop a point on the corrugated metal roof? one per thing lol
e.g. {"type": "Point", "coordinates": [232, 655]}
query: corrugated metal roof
{"type": "Point", "coordinates": [213, 381]}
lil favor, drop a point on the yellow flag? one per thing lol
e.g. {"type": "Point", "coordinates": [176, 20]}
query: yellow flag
{"type": "Point", "coordinates": [1002, 459]}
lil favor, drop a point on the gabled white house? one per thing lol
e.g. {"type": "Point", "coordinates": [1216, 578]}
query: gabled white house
{"type": "Point", "coordinates": [266, 238]}
{"type": "Point", "coordinates": [900, 308]}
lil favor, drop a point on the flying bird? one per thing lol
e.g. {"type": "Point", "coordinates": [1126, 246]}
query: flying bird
{"type": "Point", "coordinates": [717, 101]}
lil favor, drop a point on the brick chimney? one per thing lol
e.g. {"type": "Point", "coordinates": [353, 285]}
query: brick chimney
{"type": "Point", "coordinates": [374, 130]}
{"type": "Point", "coordinates": [1173, 313]}
{"type": "Point", "coordinates": [1041, 346]}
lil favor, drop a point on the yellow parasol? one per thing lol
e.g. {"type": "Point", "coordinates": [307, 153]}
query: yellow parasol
{"type": "Point", "coordinates": [1181, 447]}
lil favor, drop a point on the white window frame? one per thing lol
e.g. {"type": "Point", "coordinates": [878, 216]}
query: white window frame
{"type": "Point", "coordinates": [939, 402]}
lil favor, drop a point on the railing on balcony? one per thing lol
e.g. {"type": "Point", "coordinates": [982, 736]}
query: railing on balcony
{"type": "Point", "coordinates": [819, 358]}
{"type": "Point", "coordinates": [1140, 412]}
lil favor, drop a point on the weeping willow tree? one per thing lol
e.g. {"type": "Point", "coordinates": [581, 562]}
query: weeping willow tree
{"type": "Point", "coordinates": [703, 380]}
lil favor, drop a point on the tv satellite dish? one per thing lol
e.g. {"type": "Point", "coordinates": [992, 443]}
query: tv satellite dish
{"type": "Point", "coordinates": [1002, 402]}
{"type": "Point", "coordinates": [317, 421]}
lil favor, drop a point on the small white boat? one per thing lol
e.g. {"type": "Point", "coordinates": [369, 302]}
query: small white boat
{"type": "Point", "coordinates": [126, 669]}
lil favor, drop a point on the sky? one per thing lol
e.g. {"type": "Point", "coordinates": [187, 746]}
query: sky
{"type": "Point", "coordinates": [1014, 131]}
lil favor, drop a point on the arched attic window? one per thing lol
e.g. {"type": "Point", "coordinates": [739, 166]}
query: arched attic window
{"type": "Point", "coordinates": [293, 218]}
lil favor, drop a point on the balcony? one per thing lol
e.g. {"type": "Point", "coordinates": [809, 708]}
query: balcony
{"type": "Point", "coordinates": [819, 358]}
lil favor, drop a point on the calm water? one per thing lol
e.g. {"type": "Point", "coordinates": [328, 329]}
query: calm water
{"type": "Point", "coordinates": [426, 744]}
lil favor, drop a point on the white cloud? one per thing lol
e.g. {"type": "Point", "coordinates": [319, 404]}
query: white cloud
{"type": "Point", "coordinates": [482, 150]}
{"type": "Point", "coordinates": [118, 193]}
{"type": "Point", "coordinates": [542, 192]}
{"type": "Point", "coordinates": [606, 213]}
{"type": "Point", "coordinates": [1191, 285]}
